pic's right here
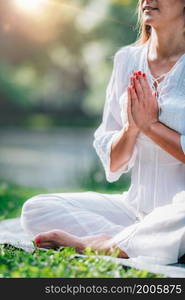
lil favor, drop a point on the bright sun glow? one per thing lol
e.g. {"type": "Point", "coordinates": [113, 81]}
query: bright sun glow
{"type": "Point", "coordinates": [29, 5]}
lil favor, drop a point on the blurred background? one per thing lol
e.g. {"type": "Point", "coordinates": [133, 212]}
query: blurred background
{"type": "Point", "coordinates": [56, 59]}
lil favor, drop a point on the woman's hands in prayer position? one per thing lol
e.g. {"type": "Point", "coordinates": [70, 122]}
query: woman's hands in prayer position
{"type": "Point", "coordinates": [143, 114]}
{"type": "Point", "coordinates": [142, 103]}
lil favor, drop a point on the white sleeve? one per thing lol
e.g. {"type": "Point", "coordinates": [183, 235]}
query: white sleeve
{"type": "Point", "coordinates": [110, 128]}
{"type": "Point", "coordinates": [160, 236]}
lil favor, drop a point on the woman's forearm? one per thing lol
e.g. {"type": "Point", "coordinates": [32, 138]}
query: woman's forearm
{"type": "Point", "coordinates": [122, 148]}
{"type": "Point", "coordinates": [168, 139]}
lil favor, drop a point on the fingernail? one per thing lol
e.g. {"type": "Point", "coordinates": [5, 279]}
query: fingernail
{"type": "Point", "coordinates": [144, 75]}
{"type": "Point", "coordinates": [139, 73]}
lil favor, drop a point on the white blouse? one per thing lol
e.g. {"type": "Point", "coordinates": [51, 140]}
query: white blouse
{"type": "Point", "coordinates": [156, 176]}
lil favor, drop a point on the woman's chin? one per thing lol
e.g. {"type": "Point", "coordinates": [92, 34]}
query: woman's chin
{"type": "Point", "coordinates": [149, 21]}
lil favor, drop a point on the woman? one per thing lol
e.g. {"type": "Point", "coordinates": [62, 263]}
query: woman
{"type": "Point", "coordinates": [143, 129]}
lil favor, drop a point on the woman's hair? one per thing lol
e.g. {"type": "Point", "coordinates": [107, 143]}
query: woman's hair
{"type": "Point", "coordinates": [144, 31]}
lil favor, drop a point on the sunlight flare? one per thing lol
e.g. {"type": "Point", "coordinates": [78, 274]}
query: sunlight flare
{"type": "Point", "coordinates": [29, 5]}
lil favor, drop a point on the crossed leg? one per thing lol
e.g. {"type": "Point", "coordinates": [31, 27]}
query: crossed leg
{"type": "Point", "coordinates": [76, 219]}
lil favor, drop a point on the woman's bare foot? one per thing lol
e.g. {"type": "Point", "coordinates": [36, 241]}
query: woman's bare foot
{"type": "Point", "coordinates": [103, 244]}
{"type": "Point", "coordinates": [59, 238]}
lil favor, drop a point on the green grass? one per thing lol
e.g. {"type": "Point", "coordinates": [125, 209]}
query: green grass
{"type": "Point", "coordinates": [16, 263]}
{"type": "Point", "coordinates": [51, 264]}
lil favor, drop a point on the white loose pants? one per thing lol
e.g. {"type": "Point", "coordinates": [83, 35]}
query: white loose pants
{"type": "Point", "coordinates": [160, 235]}
{"type": "Point", "coordinates": [79, 213]}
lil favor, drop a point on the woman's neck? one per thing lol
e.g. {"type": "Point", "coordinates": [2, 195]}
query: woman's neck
{"type": "Point", "coordinates": [165, 44]}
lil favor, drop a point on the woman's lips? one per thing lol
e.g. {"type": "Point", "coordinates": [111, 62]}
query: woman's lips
{"type": "Point", "coordinates": [149, 9]}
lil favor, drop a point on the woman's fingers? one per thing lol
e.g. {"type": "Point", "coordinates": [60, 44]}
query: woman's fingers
{"type": "Point", "coordinates": [145, 82]}
{"type": "Point", "coordinates": [138, 88]}
{"type": "Point", "coordinates": [143, 88]}
{"type": "Point", "coordinates": [133, 95]}
{"type": "Point", "coordinates": [129, 102]}
{"type": "Point", "coordinates": [132, 81]}
{"type": "Point", "coordinates": [144, 85]}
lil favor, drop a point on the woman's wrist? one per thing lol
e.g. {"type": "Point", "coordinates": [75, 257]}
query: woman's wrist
{"type": "Point", "coordinates": [148, 128]}
{"type": "Point", "coordinates": [133, 130]}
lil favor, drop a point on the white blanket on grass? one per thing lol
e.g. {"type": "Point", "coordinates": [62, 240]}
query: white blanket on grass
{"type": "Point", "coordinates": [12, 233]}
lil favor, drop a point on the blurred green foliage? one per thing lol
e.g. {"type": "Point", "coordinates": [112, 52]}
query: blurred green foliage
{"type": "Point", "coordinates": [96, 181]}
{"type": "Point", "coordinates": [12, 196]}
{"type": "Point", "coordinates": [57, 63]}
{"type": "Point", "coordinates": [63, 263]}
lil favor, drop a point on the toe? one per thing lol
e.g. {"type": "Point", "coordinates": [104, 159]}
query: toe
{"type": "Point", "coordinates": [41, 238]}
{"type": "Point", "coordinates": [37, 240]}
{"type": "Point", "coordinates": [45, 237]}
